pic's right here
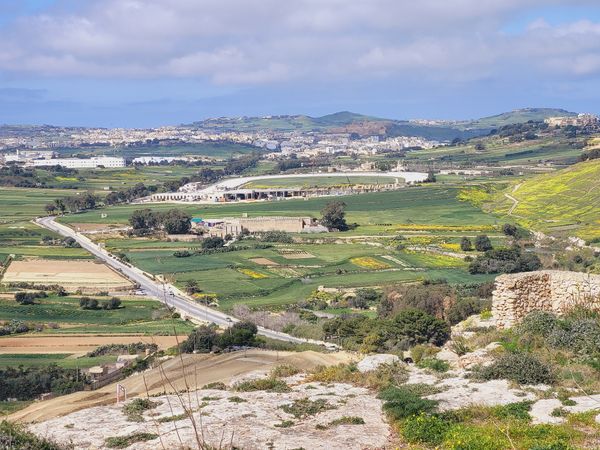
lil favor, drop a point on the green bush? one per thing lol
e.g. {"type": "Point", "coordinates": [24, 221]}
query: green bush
{"type": "Point", "coordinates": [134, 409]}
{"type": "Point", "coordinates": [518, 410]}
{"type": "Point", "coordinates": [306, 407]}
{"type": "Point", "coordinates": [425, 429]}
{"type": "Point", "coordinates": [434, 364]}
{"type": "Point", "coordinates": [264, 384]}
{"type": "Point", "coordinates": [126, 441]}
{"type": "Point", "coordinates": [540, 323]}
{"type": "Point", "coordinates": [421, 351]}
{"type": "Point", "coordinates": [523, 368]}
{"type": "Point", "coordinates": [13, 436]}
{"type": "Point", "coordinates": [401, 402]}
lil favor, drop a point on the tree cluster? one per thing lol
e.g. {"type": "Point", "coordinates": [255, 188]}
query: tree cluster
{"type": "Point", "coordinates": [92, 303]}
{"type": "Point", "coordinates": [73, 203]}
{"type": "Point", "coordinates": [27, 383]}
{"type": "Point", "coordinates": [205, 339]}
{"type": "Point", "coordinates": [400, 332]}
{"type": "Point", "coordinates": [510, 260]}
{"type": "Point", "coordinates": [173, 221]}
{"type": "Point", "coordinates": [29, 298]}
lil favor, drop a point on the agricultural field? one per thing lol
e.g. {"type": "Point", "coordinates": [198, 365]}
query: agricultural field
{"type": "Point", "coordinates": [72, 274]}
{"type": "Point", "coordinates": [546, 148]}
{"type": "Point", "coordinates": [373, 212]}
{"type": "Point", "coordinates": [566, 202]}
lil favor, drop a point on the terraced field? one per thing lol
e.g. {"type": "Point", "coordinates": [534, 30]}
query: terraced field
{"type": "Point", "coordinates": [566, 202]}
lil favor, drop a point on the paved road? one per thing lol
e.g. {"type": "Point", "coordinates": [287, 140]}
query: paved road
{"type": "Point", "coordinates": [165, 292]}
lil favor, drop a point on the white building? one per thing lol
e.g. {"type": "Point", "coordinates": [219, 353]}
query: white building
{"type": "Point", "coordinates": [28, 155]}
{"type": "Point", "coordinates": [158, 159]}
{"type": "Point", "coordinates": [109, 162]}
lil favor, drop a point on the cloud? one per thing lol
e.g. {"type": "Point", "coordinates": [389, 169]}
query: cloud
{"type": "Point", "coordinates": [241, 42]}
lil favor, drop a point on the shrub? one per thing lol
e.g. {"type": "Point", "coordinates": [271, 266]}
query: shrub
{"type": "Point", "coordinates": [13, 436]}
{"type": "Point", "coordinates": [523, 368]}
{"type": "Point", "coordinates": [88, 303]}
{"type": "Point", "coordinates": [434, 364]}
{"type": "Point", "coordinates": [421, 351]}
{"type": "Point", "coordinates": [463, 308]}
{"type": "Point", "coordinates": [218, 385]}
{"type": "Point", "coordinates": [466, 245]}
{"type": "Point", "coordinates": [425, 429]}
{"type": "Point", "coordinates": [483, 243]}
{"type": "Point", "coordinates": [277, 236]}
{"type": "Point", "coordinates": [126, 441]}
{"type": "Point", "coordinates": [518, 410]}
{"type": "Point", "coordinates": [236, 399]}
{"type": "Point", "coordinates": [264, 384]}
{"type": "Point", "coordinates": [460, 346]}
{"type": "Point", "coordinates": [305, 407]}
{"type": "Point", "coordinates": [284, 370]}
{"type": "Point", "coordinates": [401, 402]}
{"type": "Point", "coordinates": [134, 409]}
{"type": "Point", "coordinates": [539, 323]}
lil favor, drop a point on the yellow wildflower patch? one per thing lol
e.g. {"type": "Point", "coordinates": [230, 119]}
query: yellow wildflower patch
{"type": "Point", "coordinates": [253, 274]}
{"type": "Point", "coordinates": [369, 263]}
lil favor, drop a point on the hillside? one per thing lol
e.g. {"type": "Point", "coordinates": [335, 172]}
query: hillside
{"type": "Point", "coordinates": [516, 116]}
{"type": "Point", "coordinates": [349, 122]}
{"type": "Point", "coordinates": [566, 202]}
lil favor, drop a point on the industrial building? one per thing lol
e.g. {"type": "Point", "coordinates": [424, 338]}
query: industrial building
{"type": "Point", "coordinates": [109, 162]}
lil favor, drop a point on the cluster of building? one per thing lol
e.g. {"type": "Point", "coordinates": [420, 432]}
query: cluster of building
{"type": "Point", "coordinates": [48, 158]}
{"type": "Point", "coordinates": [580, 120]}
{"type": "Point", "coordinates": [236, 226]}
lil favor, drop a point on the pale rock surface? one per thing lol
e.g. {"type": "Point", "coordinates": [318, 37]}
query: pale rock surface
{"type": "Point", "coordinates": [249, 424]}
{"type": "Point", "coordinates": [372, 362]}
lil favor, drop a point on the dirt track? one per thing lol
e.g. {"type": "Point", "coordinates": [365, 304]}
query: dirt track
{"type": "Point", "coordinates": [76, 343]}
{"type": "Point", "coordinates": [190, 371]}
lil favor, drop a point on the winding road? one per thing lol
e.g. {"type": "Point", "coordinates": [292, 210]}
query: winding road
{"type": "Point", "coordinates": [166, 292]}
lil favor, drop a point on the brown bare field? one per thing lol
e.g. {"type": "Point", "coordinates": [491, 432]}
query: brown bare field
{"type": "Point", "coordinates": [77, 343]}
{"type": "Point", "coordinates": [75, 274]}
{"type": "Point", "coordinates": [264, 261]}
{"type": "Point", "coordinates": [178, 374]}
{"type": "Point", "coordinates": [295, 254]}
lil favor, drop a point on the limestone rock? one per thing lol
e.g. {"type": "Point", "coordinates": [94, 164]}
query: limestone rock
{"type": "Point", "coordinates": [372, 362]}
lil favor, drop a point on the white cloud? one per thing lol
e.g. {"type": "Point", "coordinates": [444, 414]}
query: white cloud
{"type": "Point", "coordinates": [243, 42]}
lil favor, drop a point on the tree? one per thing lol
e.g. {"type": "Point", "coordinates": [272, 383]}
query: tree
{"type": "Point", "coordinates": [364, 297]}
{"type": "Point", "coordinates": [417, 327]}
{"type": "Point", "coordinates": [113, 303]}
{"type": "Point", "coordinates": [479, 146]}
{"type": "Point", "coordinates": [88, 303]}
{"type": "Point", "coordinates": [213, 242]}
{"type": "Point", "coordinates": [430, 177]}
{"type": "Point", "coordinates": [176, 221]}
{"type": "Point", "coordinates": [333, 215]}
{"type": "Point", "coordinates": [203, 339]}
{"type": "Point", "coordinates": [60, 205]}
{"type": "Point", "coordinates": [143, 219]}
{"type": "Point", "coordinates": [483, 243]}
{"type": "Point", "coordinates": [465, 244]}
{"type": "Point", "coordinates": [241, 334]}
{"type": "Point", "coordinates": [191, 287]}
{"type": "Point", "coordinates": [509, 229]}
{"type": "Point", "coordinates": [50, 208]}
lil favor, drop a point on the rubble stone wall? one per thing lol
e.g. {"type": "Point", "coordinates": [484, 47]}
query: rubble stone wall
{"type": "Point", "coordinates": [516, 295]}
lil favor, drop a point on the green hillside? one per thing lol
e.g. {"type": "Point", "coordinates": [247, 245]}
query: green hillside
{"type": "Point", "coordinates": [517, 116]}
{"type": "Point", "coordinates": [566, 202]}
{"type": "Point", "coordinates": [442, 131]}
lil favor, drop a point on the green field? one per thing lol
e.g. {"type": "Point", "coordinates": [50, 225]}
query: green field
{"type": "Point", "coordinates": [135, 316]}
{"type": "Point", "coordinates": [60, 359]}
{"type": "Point", "coordinates": [312, 181]}
{"type": "Point", "coordinates": [415, 205]}
{"type": "Point", "coordinates": [566, 202]}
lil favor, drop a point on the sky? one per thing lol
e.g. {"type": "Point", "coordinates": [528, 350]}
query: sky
{"type": "Point", "coordinates": [146, 63]}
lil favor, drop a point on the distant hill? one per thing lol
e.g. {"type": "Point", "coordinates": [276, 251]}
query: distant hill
{"type": "Point", "coordinates": [349, 122]}
{"type": "Point", "coordinates": [566, 202]}
{"type": "Point", "coordinates": [517, 116]}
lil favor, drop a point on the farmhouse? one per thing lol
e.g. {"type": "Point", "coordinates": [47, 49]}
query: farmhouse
{"type": "Point", "coordinates": [234, 227]}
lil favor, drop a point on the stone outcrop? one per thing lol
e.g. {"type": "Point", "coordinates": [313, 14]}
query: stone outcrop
{"type": "Point", "coordinates": [516, 295]}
